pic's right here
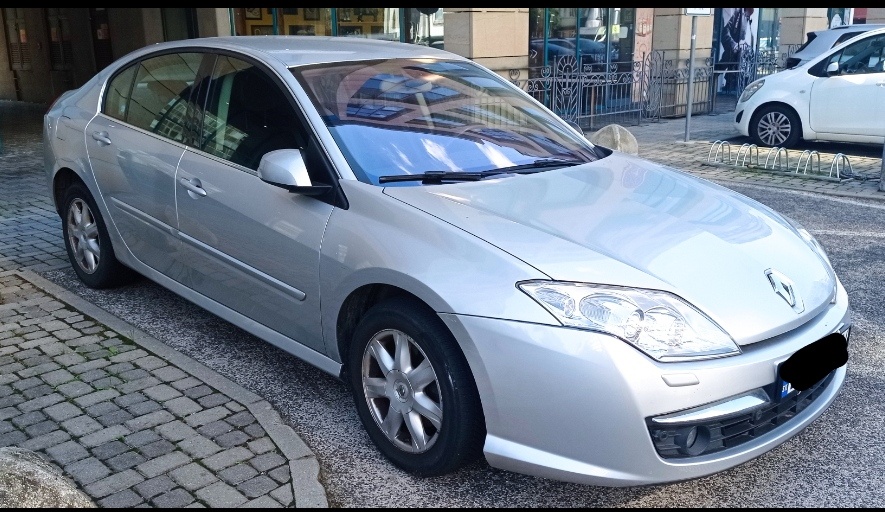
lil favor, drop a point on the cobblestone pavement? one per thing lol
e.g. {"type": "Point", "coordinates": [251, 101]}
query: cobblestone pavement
{"type": "Point", "coordinates": [131, 421]}
{"type": "Point", "coordinates": [136, 423]}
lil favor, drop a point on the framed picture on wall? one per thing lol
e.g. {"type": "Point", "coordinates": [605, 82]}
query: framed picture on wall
{"type": "Point", "coordinates": [252, 13]}
{"type": "Point", "coordinates": [311, 14]}
{"type": "Point", "coordinates": [262, 30]}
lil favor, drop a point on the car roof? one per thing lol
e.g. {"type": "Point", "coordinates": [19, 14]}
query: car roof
{"type": "Point", "coordinates": [870, 33]}
{"type": "Point", "coordinates": [306, 50]}
{"type": "Point", "coordinates": [824, 40]}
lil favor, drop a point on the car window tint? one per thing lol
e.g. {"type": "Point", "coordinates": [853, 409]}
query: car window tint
{"type": "Point", "coordinates": [161, 92]}
{"type": "Point", "coordinates": [117, 97]}
{"type": "Point", "coordinates": [247, 115]}
{"type": "Point", "coordinates": [866, 56]}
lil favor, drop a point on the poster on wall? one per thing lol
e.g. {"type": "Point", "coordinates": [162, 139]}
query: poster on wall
{"type": "Point", "coordinates": [737, 38]}
{"type": "Point", "coordinates": [838, 16]}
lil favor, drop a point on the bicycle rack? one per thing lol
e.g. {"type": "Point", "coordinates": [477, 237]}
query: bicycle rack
{"type": "Point", "coordinates": [781, 166]}
{"type": "Point", "coordinates": [721, 147]}
{"type": "Point", "coordinates": [837, 165]}
{"type": "Point", "coordinates": [747, 151]}
{"type": "Point", "coordinates": [809, 156]}
{"type": "Point", "coordinates": [778, 161]}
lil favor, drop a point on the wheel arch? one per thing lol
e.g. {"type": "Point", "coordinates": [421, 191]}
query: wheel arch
{"type": "Point", "coordinates": [355, 306]}
{"type": "Point", "coordinates": [64, 178]}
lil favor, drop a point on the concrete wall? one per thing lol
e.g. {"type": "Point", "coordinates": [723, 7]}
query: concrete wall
{"type": "Point", "coordinates": [796, 22]}
{"type": "Point", "coordinates": [672, 34]}
{"type": "Point", "coordinates": [497, 38]}
{"type": "Point", "coordinates": [213, 21]}
{"type": "Point", "coordinates": [875, 15]}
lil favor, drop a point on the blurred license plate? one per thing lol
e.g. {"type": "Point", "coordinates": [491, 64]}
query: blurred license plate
{"type": "Point", "coordinates": [810, 364]}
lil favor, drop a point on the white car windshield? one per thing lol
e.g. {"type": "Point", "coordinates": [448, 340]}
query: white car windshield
{"type": "Point", "coordinates": [401, 117]}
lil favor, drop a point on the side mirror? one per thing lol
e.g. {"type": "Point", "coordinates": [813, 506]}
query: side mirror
{"type": "Point", "coordinates": [285, 168]}
{"type": "Point", "coordinates": [832, 69]}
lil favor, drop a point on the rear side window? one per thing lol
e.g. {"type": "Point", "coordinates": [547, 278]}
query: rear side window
{"type": "Point", "coordinates": [117, 99]}
{"type": "Point", "coordinates": [159, 99]}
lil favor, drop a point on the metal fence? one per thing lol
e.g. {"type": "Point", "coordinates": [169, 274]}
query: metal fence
{"type": "Point", "coordinates": [595, 94]}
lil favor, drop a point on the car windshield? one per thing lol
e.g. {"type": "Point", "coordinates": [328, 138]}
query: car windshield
{"type": "Point", "coordinates": [400, 117]}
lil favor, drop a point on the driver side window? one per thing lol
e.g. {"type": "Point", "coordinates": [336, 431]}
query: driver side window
{"type": "Point", "coordinates": [867, 56]}
{"type": "Point", "coordinates": [247, 115]}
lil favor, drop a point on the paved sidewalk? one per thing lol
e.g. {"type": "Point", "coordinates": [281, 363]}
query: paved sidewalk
{"type": "Point", "coordinates": [131, 421]}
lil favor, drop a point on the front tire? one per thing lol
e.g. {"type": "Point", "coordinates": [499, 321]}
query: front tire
{"type": "Point", "coordinates": [776, 126]}
{"type": "Point", "coordinates": [87, 241]}
{"type": "Point", "coordinates": [413, 389]}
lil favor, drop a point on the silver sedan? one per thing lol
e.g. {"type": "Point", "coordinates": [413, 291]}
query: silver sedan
{"type": "Point", "coordinates": [486, 280]}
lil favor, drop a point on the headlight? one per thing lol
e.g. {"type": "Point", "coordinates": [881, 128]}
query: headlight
{"type": "Point", "coordinates": [751, 90]}
{"type": "Point", "coordinates": [658, 323]}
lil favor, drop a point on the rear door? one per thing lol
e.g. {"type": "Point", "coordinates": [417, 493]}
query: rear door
{"type": "Point", "coordinates": [134, 146]}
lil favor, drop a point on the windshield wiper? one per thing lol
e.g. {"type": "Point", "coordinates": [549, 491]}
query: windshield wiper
{"type": "Point", "coordinates": [437, 177]}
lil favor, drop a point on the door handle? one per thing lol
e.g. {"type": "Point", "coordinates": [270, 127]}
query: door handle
{"type": "Point", "coordinates": [192, 187]}
{"type": "Point", "coordinates": [102, 138]}
{"type": "Point", "coordinates": [881, 84]}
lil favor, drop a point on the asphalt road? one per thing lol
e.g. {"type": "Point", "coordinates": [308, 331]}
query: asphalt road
{"type": "Point", "coordinates": [838, 461]}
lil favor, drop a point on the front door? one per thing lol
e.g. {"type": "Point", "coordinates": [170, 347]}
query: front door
{"type": "Point", "coordinates": [250, 246]}
{"type": "Point", "coordinates": [852, 102]}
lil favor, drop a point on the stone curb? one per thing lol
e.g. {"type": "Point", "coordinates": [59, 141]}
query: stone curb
{"type": "Point", "coordinates": [307, 490]}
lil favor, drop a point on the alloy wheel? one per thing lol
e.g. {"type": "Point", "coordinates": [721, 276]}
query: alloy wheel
{"type": "Point", "coordinates": [774, 128]}
{"type": "Point", "coordinates": [402, 391]}
{"type": "Point", "coordinates": [83, 236]}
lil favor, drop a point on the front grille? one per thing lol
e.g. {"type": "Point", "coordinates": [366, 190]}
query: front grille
{"type": "Point", "coordinates": [736, 430]}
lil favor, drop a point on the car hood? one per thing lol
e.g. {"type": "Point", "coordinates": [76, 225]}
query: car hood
{"type": "Point", "coordinates": [627, 221]}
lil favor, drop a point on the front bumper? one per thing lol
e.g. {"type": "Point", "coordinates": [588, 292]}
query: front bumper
{"type": "Point", "coordinates": [575, 406]}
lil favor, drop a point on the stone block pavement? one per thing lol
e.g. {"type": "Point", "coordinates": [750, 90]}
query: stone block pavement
{"type": "Point", "coordinates": [137, 424]}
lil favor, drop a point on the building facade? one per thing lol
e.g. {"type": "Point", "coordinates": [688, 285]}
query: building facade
{"type": "Point", "coordinates": [50, 50]}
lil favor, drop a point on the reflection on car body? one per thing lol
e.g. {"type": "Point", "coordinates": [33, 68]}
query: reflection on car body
{"type": "Point", "coordinates": [484, 279]}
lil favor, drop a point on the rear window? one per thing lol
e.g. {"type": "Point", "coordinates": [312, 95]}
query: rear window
{"type": "Point", "coordinates": [845, 37]}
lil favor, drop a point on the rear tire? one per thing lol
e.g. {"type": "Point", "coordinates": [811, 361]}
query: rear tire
{"type": "Point", "coordinates": [775, 126]}
{"type": "Point", "coordinates": [87, 242]}
{"type": "Point", "coordinates": [413, 389]}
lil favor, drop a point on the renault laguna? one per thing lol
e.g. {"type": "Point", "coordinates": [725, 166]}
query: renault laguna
{"type": "Point", "coordinates": [485, 280]}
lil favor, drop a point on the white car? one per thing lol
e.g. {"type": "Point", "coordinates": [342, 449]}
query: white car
{"type": "Point", "coordinates": [837, 96]}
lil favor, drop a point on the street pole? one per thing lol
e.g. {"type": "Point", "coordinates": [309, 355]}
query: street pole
{"type": "Point", "coordinates": [690, 94]}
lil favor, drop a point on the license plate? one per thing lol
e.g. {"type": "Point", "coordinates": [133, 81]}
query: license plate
{"type": "Point", "coordinates": [812, 363]}
{"type": "Point", "coordinates": [784, 387]}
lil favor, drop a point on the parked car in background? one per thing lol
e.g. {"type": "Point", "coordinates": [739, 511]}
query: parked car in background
{"type": "Point", "coordinates": [837, 96]}
{"type": "Point", "coordinates": [820, 41]}
{"type": "Point", "coordinates": [481, 277]}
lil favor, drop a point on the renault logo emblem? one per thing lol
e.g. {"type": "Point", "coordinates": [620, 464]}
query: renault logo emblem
{"type": "Point", "coordinates": [784, 287]}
